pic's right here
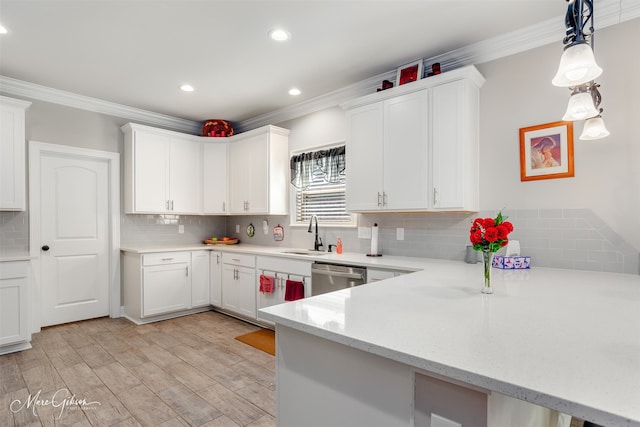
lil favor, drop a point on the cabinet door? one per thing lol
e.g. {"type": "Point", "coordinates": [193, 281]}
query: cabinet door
{"type": "Point", "coordinates": [246, 288]}
{"type": "Point", "coordinates": [238, 177]}
{"type": "Point", "coordinates": [185, 176]}
{"type": "Point", "coordinates": [406, 152]}
{"type": "Point", "coordinates": [13, 310]}
{"type": "Point", "coordinates": [276, 297]}
{"type": "Point", "coordinates": [151, 171]}
{"type": "Point", "coordinates": [257, 163]}
{"type": "Point", "coordinates": [166, 288]}
{"type": "Point", "coordinates": [230, 288]}
{"type": "Point", "coordinates": [215, 279]}
{"type": "Point", "coordinates": [215, 178]}
{"type": "Point", "coordinates": [364, 158]}
{"type": "Point", "coordinates": [199, 279]}
{"type": "Point", "coordinates": [452, 164]}
{"type": "Point", "coordinates": [12, 162]}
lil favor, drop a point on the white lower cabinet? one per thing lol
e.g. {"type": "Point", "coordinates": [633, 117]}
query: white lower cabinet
{"type": "Point", "coordinates": [215, 278]}
{"type": "Point", "coordinates": [162, 285]}
{"type": "Point", "coordinates": [165, 288]}
{"type": "Point", "coordinates": [200, 279]}
{"type": "Point", "coordinates": [239, 284]}
{"type": "Point", "coordinates": [14, 306]}
{"type": "Point", "coordinates": [282, 270]}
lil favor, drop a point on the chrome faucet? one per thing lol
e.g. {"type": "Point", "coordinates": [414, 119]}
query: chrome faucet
{"type": "Point", "coordinates": [317, 243]}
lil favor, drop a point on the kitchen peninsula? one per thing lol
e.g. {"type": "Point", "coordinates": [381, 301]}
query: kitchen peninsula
{"type": "Point", "coordinates": [395, 352]}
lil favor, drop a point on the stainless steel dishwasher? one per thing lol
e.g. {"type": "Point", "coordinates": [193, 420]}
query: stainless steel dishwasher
{"type": "Point", "coordinates": [326, 277]}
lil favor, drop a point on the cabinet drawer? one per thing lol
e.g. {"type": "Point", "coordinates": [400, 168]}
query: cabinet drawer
{"type": "Point", "coordinates": [284, 265]}
{"type": "Point", "coordinates": [165, 258]}
{"type": "Point", "coordinates": [14, 269]}
{"type": "Point", "coordinates": [239, 259]}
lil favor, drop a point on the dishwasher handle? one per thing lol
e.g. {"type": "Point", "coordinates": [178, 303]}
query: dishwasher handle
{"type": "Point", "coordinates": [338, 274]}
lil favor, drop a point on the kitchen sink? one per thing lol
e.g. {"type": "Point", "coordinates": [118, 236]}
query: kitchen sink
{"type": "Point", "coordinates": [303, 252]}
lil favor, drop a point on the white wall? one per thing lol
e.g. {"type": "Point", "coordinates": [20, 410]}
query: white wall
{"type": "Point", "coordinates": [518, 93]}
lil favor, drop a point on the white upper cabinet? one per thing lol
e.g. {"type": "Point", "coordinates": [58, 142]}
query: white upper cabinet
{"type": "Point", "coordinates": [415, 147]}
{"type": "Point", "coordinates": [258, 172]}
{"type": "Point", "coordinates": [215, 179]}
{"type": "Point", "coordinates": [12, 154]}
{"type": "Point", "coordinates": [163, 171]}
{"type": "Point", "coordinates": [455, 146]}
{"type": "Point", "coordinates": [365, 138]}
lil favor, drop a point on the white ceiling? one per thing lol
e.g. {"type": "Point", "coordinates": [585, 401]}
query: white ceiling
{"type": "Point", "coordinates": [138, 53]}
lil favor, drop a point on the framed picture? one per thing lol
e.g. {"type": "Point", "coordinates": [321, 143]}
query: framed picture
{"type": "Point", "coordinates": [546, 151]}
{"type": "Point", "coordinates": [409, 73]}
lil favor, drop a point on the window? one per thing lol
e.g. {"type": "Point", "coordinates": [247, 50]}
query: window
{"type": "Point", "coordinates": [318, 187]}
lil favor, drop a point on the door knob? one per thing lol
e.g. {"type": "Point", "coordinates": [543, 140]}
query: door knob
{"type": "Point", "coordinates": [45, 248]}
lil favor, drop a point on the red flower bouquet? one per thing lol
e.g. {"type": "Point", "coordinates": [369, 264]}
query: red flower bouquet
{"type": "Point", "coordinates": [490, 234]}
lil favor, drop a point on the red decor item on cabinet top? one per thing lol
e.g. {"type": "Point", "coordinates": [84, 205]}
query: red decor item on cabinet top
{"type": "Point", "coordinates": [217, 128]}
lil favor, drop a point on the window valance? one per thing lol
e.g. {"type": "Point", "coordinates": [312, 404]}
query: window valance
{"type": "Point", "coordinates": [330, 164]}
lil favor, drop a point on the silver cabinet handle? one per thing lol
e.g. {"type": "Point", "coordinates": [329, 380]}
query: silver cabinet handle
{"type": "Point", "coordinates": [218, 259]}
{"type": "Point", "coordinates": [167, 204]}
{"type": "Point", "coordinates": [384, 199]}
{"type": "Point", "coordinates": [187, 271]}
{"type": "Point", "coordinates": [167, 259]}
{"type": "Point", "coordinates": [224, 207]}
{"type": "Point", "coordinates": [379, 199]}
{"type": "Point", "coordinates": [435, 196]}
{"type": "Point", "coordinates": [172, 205]}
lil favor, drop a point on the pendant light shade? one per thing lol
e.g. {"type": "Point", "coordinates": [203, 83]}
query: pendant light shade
{"type": "Point", "coordinates": [580, 107]}
{"type": "Point", "coordinates": [594, 129]}
{"type": "Point", "coordinates": [577, 66]}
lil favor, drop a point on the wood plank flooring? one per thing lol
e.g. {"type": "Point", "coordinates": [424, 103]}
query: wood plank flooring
{"type": "Point", "coordinates": [188, 371]}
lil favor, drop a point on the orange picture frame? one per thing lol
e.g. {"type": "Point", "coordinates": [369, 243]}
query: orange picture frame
{"type": "Point", "coordinates": [546, 151]}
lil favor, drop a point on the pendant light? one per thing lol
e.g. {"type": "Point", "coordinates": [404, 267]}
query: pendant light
{"type": "Point", "coordinates": [594, 129]}
{"type": "Point", "coordinates": [582, 103]}
{"type": "Point", "coordinates": [578, 70]}
{"type": "Point", "coordinates": [577, 64]}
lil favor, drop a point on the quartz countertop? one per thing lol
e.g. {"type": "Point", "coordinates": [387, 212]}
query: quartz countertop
{"type": "Point", "coordinates": [349, 258]}
{"type": "Point", "coordinates": [567, 340]}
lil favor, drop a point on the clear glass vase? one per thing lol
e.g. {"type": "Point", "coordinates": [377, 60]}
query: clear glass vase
{"type": "Point", "coordinates": [487, 255]}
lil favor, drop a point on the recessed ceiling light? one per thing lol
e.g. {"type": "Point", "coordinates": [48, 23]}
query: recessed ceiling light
{"type": "Point", "coordinates": [294, 92]}
{"type": "Point", "coordinates": [3, 30]}
{"type": "Point", "coordinates": [186, 88]}
{"type": "Point", "coordinates": [279, 35]}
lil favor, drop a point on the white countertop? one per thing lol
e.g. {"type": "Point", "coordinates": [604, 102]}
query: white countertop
{"type": "Point", "coordinates": [350, 258]}
{"type": "Point", "coordinates": [568, 340]}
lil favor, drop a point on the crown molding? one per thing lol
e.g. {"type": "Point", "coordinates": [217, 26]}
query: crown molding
{"type": "Point", "coordinates": [608, 12]}
{"type": "Point", "coordinates": [56, 96]}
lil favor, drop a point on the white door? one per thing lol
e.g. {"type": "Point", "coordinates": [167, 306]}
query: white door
{"type": "Point", "coordinates": [72, 204]}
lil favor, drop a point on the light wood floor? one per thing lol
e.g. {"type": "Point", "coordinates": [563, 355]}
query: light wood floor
{"type": "Point", "coordinates": [184, 371]}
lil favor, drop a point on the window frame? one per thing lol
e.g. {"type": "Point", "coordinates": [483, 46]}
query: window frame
{"type": "Point", "coordinates": [293, 192]}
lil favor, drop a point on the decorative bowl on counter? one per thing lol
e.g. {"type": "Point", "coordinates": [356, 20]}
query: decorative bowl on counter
{"type": "Point", "coordinates": [222, 241]}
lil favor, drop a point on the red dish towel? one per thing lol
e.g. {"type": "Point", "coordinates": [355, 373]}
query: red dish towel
{"type": "Point", "coordinates": [266, 284]}
{"type": "Point", "coordinates": [294, 290]}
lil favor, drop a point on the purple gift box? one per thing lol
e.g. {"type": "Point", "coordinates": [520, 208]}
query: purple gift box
{"type": "Point", "coordinates": [511, 262]}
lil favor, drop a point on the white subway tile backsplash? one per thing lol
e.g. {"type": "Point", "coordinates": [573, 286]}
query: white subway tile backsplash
{"type": "Point", "coordinates": [558, 238]}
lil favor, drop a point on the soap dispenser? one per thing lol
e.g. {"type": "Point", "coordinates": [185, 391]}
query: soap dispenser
{"type": "Point", "coordinates": [339, 246]}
